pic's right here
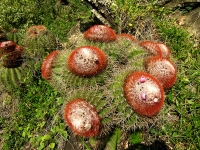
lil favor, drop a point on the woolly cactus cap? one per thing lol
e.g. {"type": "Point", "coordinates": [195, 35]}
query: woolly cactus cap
{"type": "Point", "coordinates": [35, 30]}
{"type": "Point", "coordinates": [7, 46]}
{"type": "Point", "coordinates": [127, 36]}
{"type": "Point", "coordinates": [164, 49]}
{"type": "Point", "coordinates": [82, 118]}
{"type": "Point", "coordinates": [14, 54]}
{"type": "Point", "coordinates": [38, 42]}
{"type": "Point", "coordinates": [86, 61]}
{"type": "Point", "coordinates": [47, 65]}
{"type": "Point", "coordinates": [100, 33]}
{"type": "Point", "coordinates": [163, 69]}
{"type": "Point", "coordinates": [151, 47]}
{"type": "Point", "coordinates": [10, 54]}
{"type": "Point", "coordinates": [144, 93]}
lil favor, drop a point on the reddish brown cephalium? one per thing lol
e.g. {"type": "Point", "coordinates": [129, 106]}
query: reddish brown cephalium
{"type": "Point", "coordinates": [163, 69]}
{"type": "Point", "coordinates": [100, 33]}
{"type": "Point", "coordinates": [86, 61]}
{"type": "Point", "coordinates": [14, 54]}
{"type": "Point", "coordinates": [47, 64]}
{"type": "Point", "coordinates": [35, 30]}
{"type": "Point", "coordinates": [144, 93]}
{"type": "Point", "coordinates": [82, 118]}
{"type": "Point", "coordinates": [151, 47]}
{"type": "Point", "coordinates": [128, 36]}
{"type": "Point", "coordinates": [164, 49]}
{"type": "Point", "coordinates": [7, 46]}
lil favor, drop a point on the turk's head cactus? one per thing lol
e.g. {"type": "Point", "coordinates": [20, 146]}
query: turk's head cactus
{"type": "Point", "coordinates": [82, 118]}
{"type": "Point", "coordinates": [86, 61]}
{"type": "Point", "coordinates": [127, 36]}
{"type": "Point", "coordinates": [10, 54]}
{"type": "Point", "coordinates": [38, 43]}
{"type": "Point", "coordinates": [156, 48]}
{"type": "Point", "coordinates": [47, 65]}
{"type": "Point", "coordinates": [12, 68]}
{"type": "Point", "coordinates": [163, 69]}
{"type": "Point", "coordinates": [109, 80]}
{"type": "Point", "coordinates": [144, 93]}
{"type": "Point", "coordinates": [100, 33]}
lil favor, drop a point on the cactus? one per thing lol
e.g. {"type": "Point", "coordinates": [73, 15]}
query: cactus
{"type": "Point", "coordinates": [12, 68]}
{"type": "Point", "coordinates": [144, 93]}
{"type": "Point", "coordinates": [164, 49]}
{"type": "Point", "coordinates": [38, 43]}
{"type": "Point", "coordinates": [128, 36]}
{"type": "Point", "coordinates": [151, 47]}
{"type": "Point", "coordinates": [10, 54]}
{"type": "Point", "coordinates": [15, 35]}
{"type": "Point", "coordinates": [123, 92]}
{"type": "Point", "coordinates": [82, 118]}
{"type": "Point", "coordinates": [86, 61]}
{"type": "Point", "coordinates": [12, 78]}
{"type": "Point", "coordinates": [47, 65]}
{"type": "Point", "coordinates": [100, 33]}
{"type": "Point", "coordinates": [156, 48]}
{"type": "Point", "coordinates": [3, 36]}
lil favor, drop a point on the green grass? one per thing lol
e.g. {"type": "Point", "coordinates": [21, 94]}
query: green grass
{"type": "Point", "coordinates": [185, 94]}
{"type": "Point", "coordinates": [37, 119]}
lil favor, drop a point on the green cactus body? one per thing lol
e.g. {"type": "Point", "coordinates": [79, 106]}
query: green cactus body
{"type": "Point", "coordinates": [16, 36]}
{"type": "Point", "coordinates": [12, 78]}
{"type": "Point", "coordinates": [3, 36]}
{"type": "Point", "coordinates": [121, 50]}
{"type": "Point", "coordinates": [38, 43]}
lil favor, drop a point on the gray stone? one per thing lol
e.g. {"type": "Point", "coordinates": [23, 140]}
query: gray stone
{"type": "Point", "coordinates": [182, 3]}
{"type": "Point", "coordinates": [192, 20]}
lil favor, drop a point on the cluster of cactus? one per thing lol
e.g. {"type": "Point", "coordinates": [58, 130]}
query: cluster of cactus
{"type": "Point", "coordinates": [110, 81]}
{"type": "Point", "coordinates": [21, 62]}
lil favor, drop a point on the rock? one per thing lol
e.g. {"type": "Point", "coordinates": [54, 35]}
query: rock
{"type": "Point", "coordinates": [102, 10]}
{"type": "Point", "coordinates": [182, 4]}
{"type": "Point", "coordinates": [192, 20]}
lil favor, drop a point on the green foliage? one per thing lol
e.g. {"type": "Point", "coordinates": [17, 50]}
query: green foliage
{"type": "Point", "coordinates": [67, 16]}
{"type": "Point", "coordinates": [23, 13]}
{"type": "Point", "coordinates": [114, 140]}
{"type": "Point", "coordinates": [135, 138]}
{"type": "Point", "coordinates": [37, 111]}
{"type": "Point", "coordinates": [185, 94]}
